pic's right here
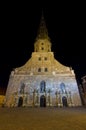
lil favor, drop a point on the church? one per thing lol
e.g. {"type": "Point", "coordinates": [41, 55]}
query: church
{"type": "Point", "coordinates": [42, 81]}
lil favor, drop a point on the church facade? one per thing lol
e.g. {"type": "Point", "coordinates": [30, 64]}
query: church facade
{"type": "Point", "coordinates": [42, 81]}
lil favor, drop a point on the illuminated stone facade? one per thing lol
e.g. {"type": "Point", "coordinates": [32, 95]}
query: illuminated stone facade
{"type": "Point", "coordinates": [42, 81]}
{"type": "Point", "coordinates": [83, 89]}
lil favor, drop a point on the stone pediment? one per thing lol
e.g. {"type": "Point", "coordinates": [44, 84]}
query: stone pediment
{"type": "Point", "coordinates": [32, 65]}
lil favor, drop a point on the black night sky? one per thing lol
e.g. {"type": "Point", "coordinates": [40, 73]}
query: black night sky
{"type": "Point", "coordinates": [66, 29]}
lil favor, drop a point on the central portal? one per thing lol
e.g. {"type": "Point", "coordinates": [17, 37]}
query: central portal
{"type": "Point", "coordinates": [42, 101]}
{"type": "Point", "coordinates": [20, 102]}
{"type": "Point", "coordinates": [64, 100]}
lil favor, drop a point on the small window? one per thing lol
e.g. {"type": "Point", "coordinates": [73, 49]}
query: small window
{"type": "Point", "coordinates": [46, 69]}
{"type": "Point", "coordinates": [45, 58]}
{"type": "Point", "coordinates": [42, 43]}
{"type": "Point", "coordinates": [42, 48]}
{"type": "Point", "coordinates": [39, 58]}
{"type": "Point", "coordinates": [39, 69]}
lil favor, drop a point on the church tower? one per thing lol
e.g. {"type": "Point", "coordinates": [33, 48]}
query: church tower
{"type": "Point", "coordinates": [42, 81]}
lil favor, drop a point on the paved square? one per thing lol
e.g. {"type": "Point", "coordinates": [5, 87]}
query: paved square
{"type": "Point", "coordinates": [43, 118]}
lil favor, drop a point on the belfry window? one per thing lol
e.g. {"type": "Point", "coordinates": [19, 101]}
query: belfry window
{"type": "Point", "coordinates": [42, 43]}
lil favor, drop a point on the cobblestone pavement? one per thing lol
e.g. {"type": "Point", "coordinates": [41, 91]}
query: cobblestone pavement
{"type": "Point", "coordinates": [43, 118]}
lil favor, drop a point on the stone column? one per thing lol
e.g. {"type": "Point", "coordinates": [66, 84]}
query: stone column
{"type": "Point", "coordinates": [70, 100]}
{"type": "Point", "coordinates": [37, 97]}
{"type": "Point", "coordinates": [59, 99]}
{"type": "Point", "coordinates": [34, 97]}
{"type": "Point", "coordinates": [56, 93]}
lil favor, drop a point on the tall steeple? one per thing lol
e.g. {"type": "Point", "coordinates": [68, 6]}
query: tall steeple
{"type": "Point", "coordinates": [42, 31]}
{"type": "Point", "coordinates": [42, 43]}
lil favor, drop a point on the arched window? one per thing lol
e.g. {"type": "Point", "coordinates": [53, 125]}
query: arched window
{"type": "Point", "coordinates": [22, 88]}
{"type": "Point", "coordinates": [42, 87]}
{"type": "Point", "coordinates": [62, 87]}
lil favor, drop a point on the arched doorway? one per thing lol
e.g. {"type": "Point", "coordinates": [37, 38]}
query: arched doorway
{"type": "Point", "coordinates": [42, 101]}
{"type": "Point", "coordinates": [20, 102]}
{"type": "Point", "coordinates": [64, 101]}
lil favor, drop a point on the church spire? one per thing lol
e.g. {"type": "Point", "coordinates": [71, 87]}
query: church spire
{"type": "Point", "coordinates": [42, 43]}
{"type": "Point", "coordinates": [42, 31]}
